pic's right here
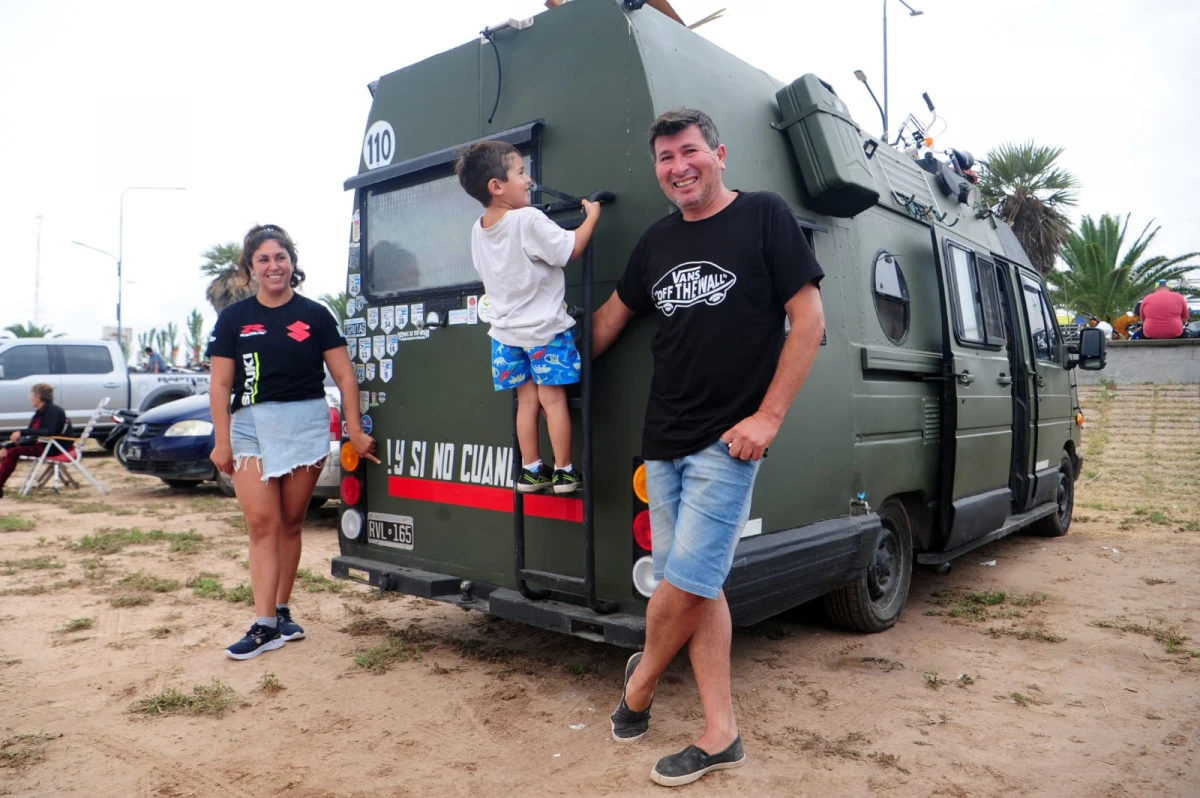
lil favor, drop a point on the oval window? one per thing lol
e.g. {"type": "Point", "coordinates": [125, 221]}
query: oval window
{"type": "Point", "coordinates": [891, 297]}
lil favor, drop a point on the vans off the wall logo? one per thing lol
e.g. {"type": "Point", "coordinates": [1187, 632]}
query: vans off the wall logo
{"type": "Point", "coordinates": [692, 283]}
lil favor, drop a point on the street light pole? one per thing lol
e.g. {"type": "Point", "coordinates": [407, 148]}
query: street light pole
{"type": "Point", "coordinates": [912, 12]}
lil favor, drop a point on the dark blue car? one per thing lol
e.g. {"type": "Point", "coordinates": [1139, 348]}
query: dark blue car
{"type": "Point", "coordinates": [173, 442]}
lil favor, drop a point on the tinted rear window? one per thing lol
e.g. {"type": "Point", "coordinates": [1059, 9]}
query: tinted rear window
{"type": "Point", "coordinates": [87, 359]}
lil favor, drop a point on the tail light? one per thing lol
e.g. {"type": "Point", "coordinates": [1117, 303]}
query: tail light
{"type": "Point", "coordinates": [335, 424]}
{"type": "Point", "coordinates": [352, 486]}
{"type": "Point", "coordinates": [351, 490]}
{"type": "Point", "coordinates": [643, 567]}
{"type": "Point", "coordinates": [641, 530]}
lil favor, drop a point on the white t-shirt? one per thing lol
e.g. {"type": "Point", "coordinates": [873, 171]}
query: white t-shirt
{"type": "Point", "coordinates": [521, 260]}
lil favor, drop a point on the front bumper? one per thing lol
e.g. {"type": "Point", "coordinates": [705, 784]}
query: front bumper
{"type": "Point", "coordinates": [616, 628]}
{"type": "Point", "coordinates": [170, 458]}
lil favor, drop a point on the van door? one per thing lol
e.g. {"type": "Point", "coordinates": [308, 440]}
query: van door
{"type": "Point", "coordinates": [1051, 381]}
{"type": "Point", "coordinates": [87, 376]}
{"type": "Point", "coordinates": [982, 394]}
{"type": "Point", "coordinates": [1024, 393]}
{"type": "Point", "coordinates": [24, 365]}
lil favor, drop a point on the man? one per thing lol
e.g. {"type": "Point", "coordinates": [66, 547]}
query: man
{"type": "Point", "coordinates": [722, 274]}
{"type": "Point", "coordinates": [48, 419]}
{"type": "Point", "coordinates": [154, 361]}
{"type": "Point", "coordinates": [1163, 313]}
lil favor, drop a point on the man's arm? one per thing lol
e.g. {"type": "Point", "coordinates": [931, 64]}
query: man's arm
{"type": "Point", "coordinates": [1186, 311]}
{"type": "Point", "coordinates": [607, 323]}
{"type": "Point", "coordinates": [748, 438]}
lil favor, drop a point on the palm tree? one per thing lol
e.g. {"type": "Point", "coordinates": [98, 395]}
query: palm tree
{"type": "Point", "coordinates": [228, 286]}
{"type": "Point", "coordinates": [31, 330]}
{"type": "Point", "coordinates": [1102, 281]}
{"type": "Point", "coordinates": [1022, 185]}
{"type": "Point", "coordinates": [337, 304]}
{"type": "Point", "coordinates": [194, 334]}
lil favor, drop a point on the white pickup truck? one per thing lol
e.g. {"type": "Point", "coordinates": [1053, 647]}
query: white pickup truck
{"type": "Point", "coordinates": [82, 372]}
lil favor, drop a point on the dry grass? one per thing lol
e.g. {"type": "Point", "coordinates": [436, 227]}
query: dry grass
{"type": "Point", "coordinates": [206, 699]}
{"type": "Point", "coordinates": [1129, 427]}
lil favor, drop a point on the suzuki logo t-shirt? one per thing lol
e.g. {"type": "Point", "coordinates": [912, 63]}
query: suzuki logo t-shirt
{"type": "Point", "coordinates": [279, 353]}
{"type": "Point", "coordinates": [718, 286]}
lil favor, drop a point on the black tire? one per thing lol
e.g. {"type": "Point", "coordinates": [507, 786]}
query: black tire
{"type": "Point", "coordinates": [225, 484]}
{"type": "Point", "coordinates": [1059, 523]}
{"type": "Point", "coordinates": [315, 502]}
{"type": "Point", "coordinates": [181, 484]}
{"type": "Point", "coordinates": [873, 601]}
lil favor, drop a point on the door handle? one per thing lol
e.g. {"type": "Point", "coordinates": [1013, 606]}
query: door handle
{"type": "Point", "coordinates": [112, 385]}
{"type": "Point", "coordinates": [1041, 381]}
{"type": "Point", "coordinates": [966, 377]}
{"type": "Point", "coordinates": [1005, 381]}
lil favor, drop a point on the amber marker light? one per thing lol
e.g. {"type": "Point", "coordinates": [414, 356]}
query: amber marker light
{"type": "Point", "coordinates": [639, 484]}
{"type": "Point", "coordinates": [349, 457]}
{"type": "Point", "coordinates": [1079, 420]}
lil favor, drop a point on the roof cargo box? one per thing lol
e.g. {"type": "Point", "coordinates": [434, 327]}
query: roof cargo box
{"type": "Point", "coordinates": [827, 146]}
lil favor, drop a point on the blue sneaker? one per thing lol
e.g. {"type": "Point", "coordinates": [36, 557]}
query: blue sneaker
{"type": "Point", "coordinates": [288, 629]}
{"type": "Point", "coordinates": [257, 640]}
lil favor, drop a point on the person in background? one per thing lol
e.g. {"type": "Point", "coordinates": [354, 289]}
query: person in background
{"type": "Point", "coordinates": [271, 422]}
{"type": "Point", "coordinates": [154, 361]}
{"type": "Point", "coordinates": [1163, 313]}
{"type": "Point", "coordinates": [48, 419]}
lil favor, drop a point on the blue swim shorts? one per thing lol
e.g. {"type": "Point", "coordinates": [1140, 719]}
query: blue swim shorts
{"type": "Point", "coordinates": [699, 505]}
{"type": "Point", "coordinates": [556, 363]}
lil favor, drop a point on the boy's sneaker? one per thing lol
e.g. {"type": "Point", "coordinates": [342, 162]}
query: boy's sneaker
{"type": "Point", "coordinates": [257, 640]}
{"type": "Point", "coordinates": [533, 481]}
{"type": "Point", "coordinates": [288, 629]}
{"type": "Point", "coordinates": [567, 481]}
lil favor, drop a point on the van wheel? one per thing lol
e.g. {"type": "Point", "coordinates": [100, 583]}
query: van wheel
{"type": "Point", "coordinates": [1059, 522]}
{"type": "Point", "coordinates": [225, 484]}
{"type": "Point", "coordinates": [872, 602]}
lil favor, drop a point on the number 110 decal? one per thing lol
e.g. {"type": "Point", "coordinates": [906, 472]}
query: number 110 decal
{"type": "Point", "coordinates": [380, 145]}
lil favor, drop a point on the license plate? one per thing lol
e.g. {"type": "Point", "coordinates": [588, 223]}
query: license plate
{"type": "Point", "coordinates": [133, 453]}
{"type": "Point", "coordinates": [395, 531]}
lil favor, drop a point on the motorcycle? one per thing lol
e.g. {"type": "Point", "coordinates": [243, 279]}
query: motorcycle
{"type": "Point", "coordinates": [124, 420]}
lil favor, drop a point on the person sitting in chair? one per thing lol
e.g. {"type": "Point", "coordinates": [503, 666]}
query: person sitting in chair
{"type": "Point", "coordinates": [48, 419]}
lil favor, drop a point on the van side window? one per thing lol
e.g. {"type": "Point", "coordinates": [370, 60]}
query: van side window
{"type": "Point", "coordinates": [87, 359]}
{"type": "Point", "coordinates": [1041, 323]}
{"type": "Point", "coordinates": [891, 297]}
{"type": "Point", "coordinates": [977, 317]}
{"type": "Point", "coordinates": [22, 361]}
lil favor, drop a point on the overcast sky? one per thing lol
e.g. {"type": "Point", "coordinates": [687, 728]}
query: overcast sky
{"type": "Point", "coordinates": [258, 110]}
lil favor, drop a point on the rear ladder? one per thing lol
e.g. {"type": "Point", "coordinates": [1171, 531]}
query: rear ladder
{"type": "Point", "coordinates": [562, 587]}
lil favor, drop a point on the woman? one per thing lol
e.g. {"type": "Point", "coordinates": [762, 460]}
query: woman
{"type": "Point", "coordinates": [48, 419]}
{"type": "Point", "coordinates": [271, 423]}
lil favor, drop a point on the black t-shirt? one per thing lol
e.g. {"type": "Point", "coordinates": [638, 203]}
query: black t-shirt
{"type": "Point", "coordinates": [278, 353]}
{"type": "Point", "coordinates": [719, 286]}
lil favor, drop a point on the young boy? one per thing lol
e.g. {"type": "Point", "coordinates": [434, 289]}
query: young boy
{"type": "Point", "coordinates": [520, 254]}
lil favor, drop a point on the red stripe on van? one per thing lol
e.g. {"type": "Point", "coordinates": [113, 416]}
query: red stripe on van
{"type": "Point", "coordinates": [484, 498]}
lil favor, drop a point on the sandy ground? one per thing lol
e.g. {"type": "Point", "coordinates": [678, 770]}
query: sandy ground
{"type": "Point", "coordinates": [962, 698]}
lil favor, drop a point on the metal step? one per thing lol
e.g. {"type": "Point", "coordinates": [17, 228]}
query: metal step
{"type": "Point", "coordinates": [1013, 523]}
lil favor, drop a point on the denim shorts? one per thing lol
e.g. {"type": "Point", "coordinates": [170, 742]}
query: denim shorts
{"type": "Point", "coordinates": [698, 507]}
{"type": "Point", "coordinates": [556, 363]}
{"type": "Point", "coordinates": [283, 435]}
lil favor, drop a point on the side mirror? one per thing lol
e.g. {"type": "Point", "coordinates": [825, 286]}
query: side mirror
{"type": "Point", "coordinates": [1093, 349]}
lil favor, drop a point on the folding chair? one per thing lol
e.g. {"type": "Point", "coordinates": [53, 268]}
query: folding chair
{"type": "Point", "coordinates": [53, 462]}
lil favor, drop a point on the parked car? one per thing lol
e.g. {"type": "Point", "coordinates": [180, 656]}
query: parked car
{"type": "Point", "coordinates": [173, 442]}
{"type": "Point", "coordinates": [83, 372]}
